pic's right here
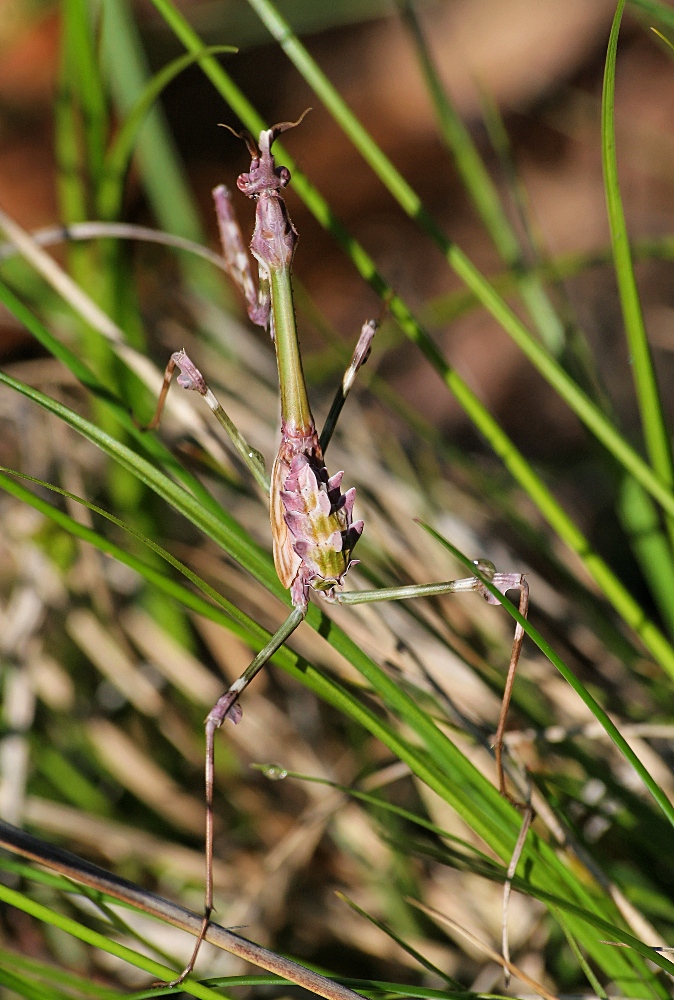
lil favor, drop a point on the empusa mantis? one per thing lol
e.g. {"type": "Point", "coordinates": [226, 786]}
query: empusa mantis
{"type": "Point", "coordinates": [312, 524]}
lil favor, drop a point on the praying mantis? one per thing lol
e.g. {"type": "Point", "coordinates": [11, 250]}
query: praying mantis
{"type": "Point", "coordinates": [312, 525]}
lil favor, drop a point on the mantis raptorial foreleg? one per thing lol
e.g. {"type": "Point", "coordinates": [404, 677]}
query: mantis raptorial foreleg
{"type": "Point", "coordinates": [312, 523]}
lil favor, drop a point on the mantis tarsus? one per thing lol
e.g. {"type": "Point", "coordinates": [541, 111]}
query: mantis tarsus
{"type": "Point", "coordinates": [312, 524]}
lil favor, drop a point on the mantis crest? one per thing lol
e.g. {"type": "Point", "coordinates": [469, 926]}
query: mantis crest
{"type": "Point", "coordinates": [313, 530]}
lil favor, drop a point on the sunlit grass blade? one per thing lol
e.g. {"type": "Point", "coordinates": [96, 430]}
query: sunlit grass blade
{"type": "Point", "coordinates": [521, 470]}
{"type": "Point", "coordinates": [579, 402]}
{"type": "Point", "coordinates": [96, 940]}
{"type": "Point", "coordinates": [568, 675]}
{"type": "Point", "coordinates": [149, 443]}
{"type": "Point", "coordinates": [224, 612]}
{"type": "Point", "coordinates": [449, 773]}
{"type": "Point", "coordinates": [223, 529]}
{"type": "Point", "coordinates": [653, 423]}
{"type": "Point", "coordinates": [118, 157]}
{"type": "Point", "coordinates": [69, 980]}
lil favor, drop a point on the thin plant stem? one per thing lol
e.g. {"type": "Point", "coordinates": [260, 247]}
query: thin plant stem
{"type": "Point", "coordinates": [507, 888]}
{"type": "Point", "coordinates": [580, 958]}
{"type": "Point", "coordinates": [487, 949]}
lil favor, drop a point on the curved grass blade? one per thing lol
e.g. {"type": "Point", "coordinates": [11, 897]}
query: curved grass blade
{"type": "Point", "coordinates": [79, 985]}
{"type": "Point", "coordinates": [424, 962]}
{"type": "Point", "coordinates": [96, 940]}
{"type": "Point", "coordinates": [569, 676]}
{"type": "Point", "coordinates": [151, 444]}
{"type": "Point", "coordinates": [443, 766]}
{"type": "Point", "coordinates": [562, 383]}
{"type": "Point", "coordinates": [229, 615]}
{"type": "Point", "coordinates": [655, 432]}
{"type": "Point", "coordinates": [626, 606]}
{"type": "Point", "coordinates": [118, 157]}
{"type": "Point", "coordinates": [223, 530]}
{"type": "Point", "coordinates": [51, 235]}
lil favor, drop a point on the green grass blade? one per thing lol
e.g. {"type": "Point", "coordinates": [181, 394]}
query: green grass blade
{"type": "Point", "coordinates": [595, 985]}
{"type": "Point", "coordinates": [45, 970]}
{"type": "Point", "coordinates": [113, 404]}
{"type": "Point", "coordinates": [482, 190]}
{"type": "Point", "coordinates": [70, 162]}
{"type": "Point", "coordinates": [86, 77]}
{"type": "Point", "coordinates": [569, 676]}
{"type": "Point", "coordinates": [641, 523]}
{"type": "Point", "coordinates": [378, 803]}
{"type": "Point", "coordinates": [162, 172]}
{"type": "Point", "coordinates": [96, 940]}
{"type": "Point", "coordinates": [446, 308]}
{"type": "Point", "coordinates": [424, 962]}
{"type": "Point", "coordinates": [25, 987]}
{"type": "Point", "coordinates": [468, 791]}
{"type": "Point", "coordinates": [520, 469]}
{"type": "Point", "coordinates": [655, 432]}
{"type": "Point", "coordinates": [224, 614]}
{"type": "Point", "coordinates": [655, 9]}
{"type": "Point", "coordinates": [150, 573]}
{"type": "Point", "coordinates": [118, 157]}
{"type": "Point", "coordinates": [366, 986]}
{"type": "Point", "coordinates": [578, 401]}
{"type": "Point", "coordinates": [223, 530]}
{"type": "Point", "coordinates": [450, 774]}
